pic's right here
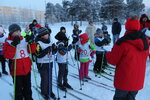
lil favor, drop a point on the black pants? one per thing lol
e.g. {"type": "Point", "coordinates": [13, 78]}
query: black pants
{"type": "Point", "coordinates": [3, 60]}
{"type": "Point", "coordinates": [23, 87]}
{"type": "Point", "coordinates": [45, 70]}
{"type": "Point", "coordinates": [100, 61]}
{"type": "Point", "coordinates": [62, 74]}
{"type": "Point", "coordinates": [124, 95]}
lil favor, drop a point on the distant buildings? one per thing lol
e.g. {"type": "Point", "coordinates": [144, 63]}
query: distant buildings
{"type": "Point", "coordinates": [20, 16]}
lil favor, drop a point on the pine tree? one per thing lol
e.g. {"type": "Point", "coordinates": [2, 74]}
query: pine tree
{"type": "Point", "coordinates": [50, 13]}
{"type": "Point", "coordinates": [134, 7]}
{"type": "Point", "coordinates": [112, 8]}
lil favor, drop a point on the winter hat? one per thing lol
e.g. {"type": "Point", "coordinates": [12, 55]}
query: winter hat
{"type": "Point", "coordinates": [132, 25]}
{"type": "Point", "coordinates": [116, 19]}
{"type": "Point", "coordinates": [62, 28]}
{"type": "Point", "coordinates": [84, 37]}
{"type": "Point", "coordinates": [14, 27]}
{"type": "Point", "coordinates": [34, 21]}
{"type": "Point", "coordinates": [99, 31]}
{"type": "Point", "coordinates": [42, 31]}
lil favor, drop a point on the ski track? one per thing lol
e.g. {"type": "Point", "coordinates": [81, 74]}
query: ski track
{"type": "Point", "coordinates": [96, 92]}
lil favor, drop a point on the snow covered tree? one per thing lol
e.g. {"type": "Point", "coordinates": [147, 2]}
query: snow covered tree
{"type": "Point", "coordinates": [50, 13]}
{"type": "Point", "coordinates": [134, 7]}
{"type": "Point", "coordinates": [59, 12]}
{"type": "Point", "coordinates": [112, 8]}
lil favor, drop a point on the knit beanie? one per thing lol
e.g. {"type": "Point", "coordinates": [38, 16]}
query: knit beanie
{"type": "Point", "coordinates": [14, 27]}
{"type": "Point", "coordinates": [42, 31]}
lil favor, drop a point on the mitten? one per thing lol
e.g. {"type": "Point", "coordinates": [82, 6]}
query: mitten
{"type": "Point", "coordinates": [92, 53]}
{"type": "Point", "coordinates": [29, 38]}
{"type": "Point", "coordinates": [15, 41]}
{"type": "Point", "coordinates": [69, 47]}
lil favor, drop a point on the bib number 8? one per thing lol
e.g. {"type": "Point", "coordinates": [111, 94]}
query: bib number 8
{"type": "Point", "coordinates": [22, 54]}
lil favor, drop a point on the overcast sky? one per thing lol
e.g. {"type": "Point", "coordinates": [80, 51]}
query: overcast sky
{"type": "Point", "coordinates": [38, 4]}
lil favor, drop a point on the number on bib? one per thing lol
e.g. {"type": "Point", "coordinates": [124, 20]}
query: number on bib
{"type": "Point", "coordinates": [22, 54]}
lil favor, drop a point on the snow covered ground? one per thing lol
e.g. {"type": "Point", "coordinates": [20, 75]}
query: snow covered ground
{"type": "Point", "coordinates": [94, 89]}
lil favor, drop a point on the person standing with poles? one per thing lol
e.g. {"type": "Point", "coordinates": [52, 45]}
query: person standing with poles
{"type": "Point", "coordinates": [44, 53]}
{"type": "Point", "coordinates": [100, 42]}
{"type": "Point", "coordinates": [86, 50]}
{"type": "Point", "coordinates": [16, 48]}
{"type": "Point", "coordinates": [63, 48]}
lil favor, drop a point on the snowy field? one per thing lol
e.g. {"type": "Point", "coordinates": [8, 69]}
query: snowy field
{"type": "Point", "coordinates": [97, 89]}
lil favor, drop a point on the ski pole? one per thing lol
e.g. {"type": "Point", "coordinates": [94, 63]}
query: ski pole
{"type": "Point", "coordinates": [101, 64]}
{"type": "Point", "coordinates": [56, 76]}
{"type": "Point", "coordinates": [49, 78]}
{"type": "Point", "coordinates": [76, 51]}
{"type": "Point", "coordinates": [72, 59]}
{"type": "Point", "coordinates": [15, 75]}
{"type": "Point", "coordinates": [34, 71]}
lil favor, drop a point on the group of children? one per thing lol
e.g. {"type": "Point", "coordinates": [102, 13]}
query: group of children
{"type": "Point", "coordinates": [18, 49]}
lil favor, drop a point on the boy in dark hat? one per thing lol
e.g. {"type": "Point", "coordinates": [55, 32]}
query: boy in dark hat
{"type": "Point", "coordinates": [18, 49]}
{"type": "Point", "coordinates": [63, 48]}
{"type": "Point", "coordinates": [45, 51]}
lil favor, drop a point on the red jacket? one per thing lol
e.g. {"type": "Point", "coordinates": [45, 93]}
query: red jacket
{"type": "Point", "coordinates": [130, 60]}
{"type": "Point", "coordinates": [23, 65]}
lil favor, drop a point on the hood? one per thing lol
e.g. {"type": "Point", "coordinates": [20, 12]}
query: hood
{"type": "Point", "coordinates": [84, 37]}
{"type": "Point", "coordinates": [142, 16]}
{"type": "Point", "coordinates": [137, 39]}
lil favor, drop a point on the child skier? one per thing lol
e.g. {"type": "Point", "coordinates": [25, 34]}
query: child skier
{"type": "Point", "coordinates": [2, 59]}
{"type": "Point", "coordinates": [100, 42]}
{"type": "Point", "coordinates": [44, 53]}
{"type": "Point", "coordinates": [75, 37]}
{"type": "Point", "coordinates": [63, 48]}
{"type": "Point", "coordinates": [18, 49]}
{"type": "Point", "coordinates": [87, 50]}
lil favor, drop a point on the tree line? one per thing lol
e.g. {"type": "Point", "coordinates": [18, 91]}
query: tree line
{"type": "Point", "coordinates": [95, 10]}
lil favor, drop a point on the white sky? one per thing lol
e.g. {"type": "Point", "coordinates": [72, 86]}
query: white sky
{"type": "Point", "coordinates": [39, 4]}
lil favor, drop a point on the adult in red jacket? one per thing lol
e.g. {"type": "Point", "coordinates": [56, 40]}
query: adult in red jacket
{"type": "Point", "coordinates": [18, 49]}
{"type": "Point", "coordinates": [129, 55]}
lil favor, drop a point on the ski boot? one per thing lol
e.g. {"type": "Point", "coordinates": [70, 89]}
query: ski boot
{"type": "Point", "coordinates": [67, 86]}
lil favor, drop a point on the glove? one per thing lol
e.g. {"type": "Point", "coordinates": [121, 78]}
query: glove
{"type": "Point", "coordinates": [69, 47]}
{"type": "Point", "coordinates": [92, 53]}
{"type": "Point", "coordinates": [48, 49]}
{"type": "Point", "coordinates": [16, 41]}
{"type": "Point", "coordinates": [29, 38]}
{"type": "Point", "coordinates": [65, 43]}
